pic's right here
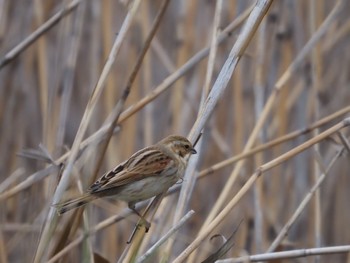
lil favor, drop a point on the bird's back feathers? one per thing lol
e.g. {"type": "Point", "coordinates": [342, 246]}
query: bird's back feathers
{"type": "Point", "coordinates": [138, 167]}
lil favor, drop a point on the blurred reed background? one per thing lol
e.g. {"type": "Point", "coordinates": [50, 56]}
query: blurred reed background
{"type": "Point", "coordinates": [45, 88]}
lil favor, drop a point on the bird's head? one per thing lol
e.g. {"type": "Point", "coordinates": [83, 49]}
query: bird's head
{"type": "Point", "coordinates": [178, 144]}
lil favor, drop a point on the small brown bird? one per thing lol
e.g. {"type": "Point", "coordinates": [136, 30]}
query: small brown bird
{"type": "Point", "coordinates": [147, 173]}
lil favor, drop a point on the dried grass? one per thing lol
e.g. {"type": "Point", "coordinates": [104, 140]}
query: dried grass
{"type": "Point", "coordinates": [274, 148]}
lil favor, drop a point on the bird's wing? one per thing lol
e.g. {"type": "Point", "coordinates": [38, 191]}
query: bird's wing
{"type": "Point", "coordinates": [147, 162]}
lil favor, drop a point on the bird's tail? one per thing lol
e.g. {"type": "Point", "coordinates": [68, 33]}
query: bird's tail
{"type": "Point", "coordinates": [74, 203]}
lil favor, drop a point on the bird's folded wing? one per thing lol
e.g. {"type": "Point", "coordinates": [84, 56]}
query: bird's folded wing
{"type": "Point", "coordinates": [141, 165]}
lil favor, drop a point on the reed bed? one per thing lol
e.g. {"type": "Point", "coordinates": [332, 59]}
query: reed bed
{"type": "Point", "coordinates": [264, 84]}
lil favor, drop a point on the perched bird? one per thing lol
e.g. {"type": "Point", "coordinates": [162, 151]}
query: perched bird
{"type": "Point", "coordinates": [147, 173]}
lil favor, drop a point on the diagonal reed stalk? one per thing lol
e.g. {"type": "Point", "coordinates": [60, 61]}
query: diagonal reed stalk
{"type": "Point", "coordinates": [13, 53]}
{"type": "Point", "coordinates": [267, 109]}
{"type": "Point", "coordinates": [51, 219]}
{"type": "Point", "coordinates": [293, 254]}
{"type": "Point", "coordinates": [252, 179]}
{"type": "Point", "coordinates": [54, 52]}
{"type": "Point", "coordinates": [166, 84]}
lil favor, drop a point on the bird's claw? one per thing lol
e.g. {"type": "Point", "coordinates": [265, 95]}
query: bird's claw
{"type": "Point", "coordinates": [144, 223]}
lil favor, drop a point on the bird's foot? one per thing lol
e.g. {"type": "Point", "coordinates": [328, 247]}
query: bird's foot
{"type": "Point", "coordinates": [145, 223]}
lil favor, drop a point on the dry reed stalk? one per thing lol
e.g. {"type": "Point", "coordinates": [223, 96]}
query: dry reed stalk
{"type": "Point", "coordinates": [42, 69]}
{"type": "Point", "coordinates": [259, 235]}
{"type": "Point", "coordinates": [98, 135]}
{"type": "Point", "coordinates": [171, 232]}
{"type": "Point", "coordinates": [13, 53]}
{"type": "Point", "coordinates": [260, 10]}
{"type": "Point", "coordinates": [107, 34]}
{"type": "Point", "coordinates": [344, 141]}
{"type": "Point", "coordinates": [236, 53]}
{"type": "Point", "coordinates": [133, 75]}
{"type": "Point", "coordinates": [274, 142]}
{"type": "Point", "coordinates": [184, 38]}
{"type": "Point", "coordinates": [28, 182]}
{"type": "Point", "coordinates": [139, 232]}
{"type": "Point", "coordinates": [43, 173]}
{"type": "Point", "coordinates": [92, 231]}
{"type": "Point", "coordinates": [130, 82]}
{"type": "Point", "coordinates": [111, 92]}
{"type": "Point", "coordinates": [4, 5]}
{"type": "Point", "coordinates": [114, 219]}
{"type": "Point", "coordinates": [268, 107]}
{"type": "Point", "coordinates": [290, 254]}
{"type": "Point", "coordinates": [252, 179]}
{"type": "Point", "coordinates": [237, 97]}
{"type": "Point", "coordinates": [316, 68]}
{"type": "Point", "coordinates": [15, 176]}
{"type": "Point", "coordinates": [102, 225]}
{"type": "Point", "coordinates": [163, 56]}
{"type": "Point", "coordinates": [321, 122]}
{"type": "Point", "coordinates": [149, 123]}
{"type": "Point", "coordinates": [342, 32]}
{"type": "Point", "coordinates": [3, 252]}
{"type": "Point", "coordinates": [289, 25]}
{"type": "Point", "coordinates": [284, 231]}
{"type": "Point", "coordinates": [52, 217]}
{"type": "Point", "coordinates": [282, 109]}
{"type": "Point", "coordinates": [68, 82]}
{"type": "Point", "coordinates": [72, 30]}
{"type": "Point", "coordinates": [190, 175]}
{"type": "Point", "coordinates": [220, 84]}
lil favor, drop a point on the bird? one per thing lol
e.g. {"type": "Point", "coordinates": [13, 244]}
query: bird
{"type": "Point", "coordinates": [147, 173]}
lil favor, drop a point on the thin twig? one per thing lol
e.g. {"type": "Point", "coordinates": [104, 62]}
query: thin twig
{"type": "Point", "coordinates": [302, 205]}
{"type": "Point", "coordinates": [62, 186]}
{"type": "Point", "coordinates": [171, 231]}
{"type": "Point", "coordinates": [277, 141]}
{"type": "Point", "coordinates": [289, 254]}
{"type": "Point", "coordinates": [139, 235]}
{"type": "Point", "coordinates": [120, 105]}
{"type": "Point", "coordinates": [98, 135]}
{"type": "Point", "coordinates": [190, 174]}
{"type": "Point", "coordinates": [267, 109]}
{"type": "Point", "coordinates": [11, 179]}
{"type": "Point", "coordinates": [13, 53]}
{"type": "Point", "coordinates": [345, 141]}
{"type": "Point", "coordinates": [267, 166]}
{"type": "Point", "coordinates": [114, 219]}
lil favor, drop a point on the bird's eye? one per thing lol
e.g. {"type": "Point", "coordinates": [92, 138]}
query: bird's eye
{"type": "Point", "coordinates": [187, 146]}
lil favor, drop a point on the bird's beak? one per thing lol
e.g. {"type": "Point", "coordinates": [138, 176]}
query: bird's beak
{"type": "Point", "coordinates": [193, 151]}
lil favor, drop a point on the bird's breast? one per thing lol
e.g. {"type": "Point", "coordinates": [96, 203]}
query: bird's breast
{"type": "Point", "coordinates": [148, 187]}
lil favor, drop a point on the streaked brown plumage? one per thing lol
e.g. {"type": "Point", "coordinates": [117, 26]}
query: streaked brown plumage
{"type": "Point", "coordinates": [147, 173]}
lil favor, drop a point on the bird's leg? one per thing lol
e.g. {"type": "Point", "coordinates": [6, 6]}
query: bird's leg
{"type": "Point", "coordinates": [142, 218]}
{"type": "Point", "coordinates": [154, 203]}
{"type": "Point", "coordinates": [145, 222]}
